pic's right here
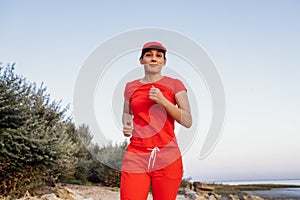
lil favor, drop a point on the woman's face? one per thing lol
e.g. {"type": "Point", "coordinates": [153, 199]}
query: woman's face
{"type": "Point", "coordinates": [153, 61]}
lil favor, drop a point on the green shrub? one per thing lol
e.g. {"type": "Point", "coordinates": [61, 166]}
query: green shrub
{"type": "Point", "coordinates": [37, 140]}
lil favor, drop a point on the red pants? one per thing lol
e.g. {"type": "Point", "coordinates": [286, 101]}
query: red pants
{"type": "Point", "coordinates": [143, 167]}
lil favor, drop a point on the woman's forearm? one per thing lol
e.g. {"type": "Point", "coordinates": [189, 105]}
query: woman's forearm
{"type": "Point", "coordinates": [182, 116]}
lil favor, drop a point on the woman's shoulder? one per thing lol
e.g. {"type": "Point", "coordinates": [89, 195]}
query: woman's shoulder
{"type": "Point", "coordinates": [133, 85]}
{"type": "Point", "coordinates": [172, 79]}
{"type": "Point", "coordinates": [130, 87]}
{"type": "Point", "coordinates": [134, 82]}
{"type": "Point", "coordinates": [175, 84]}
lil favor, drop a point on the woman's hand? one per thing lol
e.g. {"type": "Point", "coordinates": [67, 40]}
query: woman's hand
{"type": "Point", "coordinates": [127, 120]}
{"type": "Point", "coordinates": [156, 95]}
{"type": "Point", "coordinates": [127, 129]}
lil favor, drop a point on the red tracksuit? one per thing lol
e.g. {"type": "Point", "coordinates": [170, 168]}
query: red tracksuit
{"type": "Point", "coordinates": [152, 157]}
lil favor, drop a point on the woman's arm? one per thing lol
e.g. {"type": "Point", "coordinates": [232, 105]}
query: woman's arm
{"type": "Point", "coordinates": [182, 113]}
{"type": "Point", "coordinates": [127, 120]}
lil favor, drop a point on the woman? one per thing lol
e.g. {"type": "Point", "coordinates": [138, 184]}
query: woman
{"type": "Point", "coordinates": [152, 105]}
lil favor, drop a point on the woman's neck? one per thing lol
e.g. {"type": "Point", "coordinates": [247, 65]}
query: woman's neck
{"type": "Point", "coordinates": [151, 78]}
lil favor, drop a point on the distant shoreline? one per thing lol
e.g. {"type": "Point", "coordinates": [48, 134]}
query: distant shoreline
{"type": "Point", "coordinates": [277, 193]}
{"type": "Point", "coordinates": [266, 191]}
{"type": "Point", "coordinates": [251, 182]}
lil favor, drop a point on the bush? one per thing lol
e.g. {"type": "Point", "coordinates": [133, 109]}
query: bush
{"type": "Point", "coordinates": [40, 145]}
{"type": "Point", "coordinates": [37, 140]}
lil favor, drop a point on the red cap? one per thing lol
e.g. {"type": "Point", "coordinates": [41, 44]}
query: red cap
{"type": "Point", "coordinates": [154, 45]}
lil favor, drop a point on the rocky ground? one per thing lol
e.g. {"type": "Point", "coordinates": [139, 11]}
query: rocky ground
{"type": "Point", "coordinates": [78, 192]}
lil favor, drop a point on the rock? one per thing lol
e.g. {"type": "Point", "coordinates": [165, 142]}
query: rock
{"type": "Point", "coordinates": [234, 197]}
{"type": "Point", "coordinates": [182, 191]}
{"type": "Point", "coordinates": [69, 194]}
{"type": "Point", "coordinates": [192, 195]}
{"type": "Point", "coordinates": [247, 197]}
{"type": "Point", "coordinates": [202, 188]}
{"type": "Point", "coordinates": [189, 194]}
{"type": "Point", "coordinates": [189, 185]}
{"type": "Point", "coordinates": [51, 196]}
{"type": "Point", "coordinates": [256, 198]}
{"type": "Point", "coordinates": [214, 196]}
{"type": "Point", "coordinates": [202, 198]}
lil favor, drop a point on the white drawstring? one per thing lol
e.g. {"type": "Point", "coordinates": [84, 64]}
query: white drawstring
{"type": "Point", "coordinates": [152, 156]}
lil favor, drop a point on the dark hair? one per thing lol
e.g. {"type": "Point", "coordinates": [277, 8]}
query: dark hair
{"type": "Point", "coordinates": [148, 49]}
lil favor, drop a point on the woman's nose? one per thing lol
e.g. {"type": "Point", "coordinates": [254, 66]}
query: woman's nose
{"type": "Point", "coordinates": [153, 58]}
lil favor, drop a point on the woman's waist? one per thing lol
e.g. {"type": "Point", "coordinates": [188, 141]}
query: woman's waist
{"type": "Point", "coordinates": [146, 146]}
{"type": "Point", "coordinates": [158, 140]}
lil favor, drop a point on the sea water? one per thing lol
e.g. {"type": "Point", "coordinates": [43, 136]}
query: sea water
{"type": "Point", "coordinates": [276, 193]}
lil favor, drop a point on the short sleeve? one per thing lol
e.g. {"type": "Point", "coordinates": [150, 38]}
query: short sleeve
{"type": "Point", "coordinates": [178, 86]}
{"type": "Point", "coordinates": [126, 93]}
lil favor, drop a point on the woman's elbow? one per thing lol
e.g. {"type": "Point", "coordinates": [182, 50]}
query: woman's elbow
{"type": "Point", "coordinates": [188, 125]}
{"type": "Point", "coordinates": [188, 122]}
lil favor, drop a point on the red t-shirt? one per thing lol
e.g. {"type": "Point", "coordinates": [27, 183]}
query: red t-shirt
{"type": "Point", "coordinates": [153, 126]}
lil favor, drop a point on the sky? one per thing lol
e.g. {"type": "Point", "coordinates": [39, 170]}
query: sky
{"type": "Point", "coordinates": [253, 44]}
